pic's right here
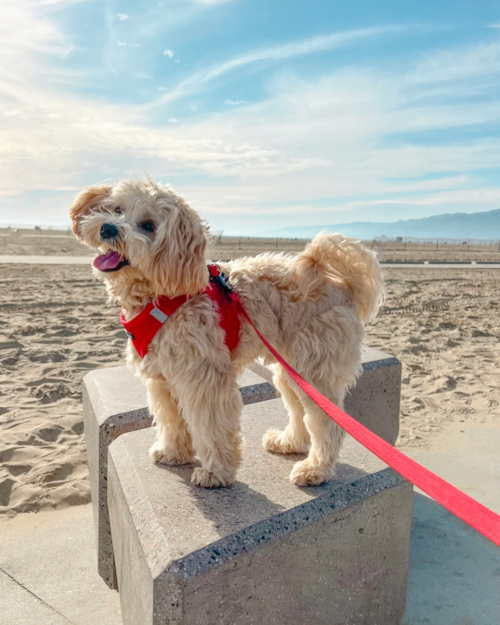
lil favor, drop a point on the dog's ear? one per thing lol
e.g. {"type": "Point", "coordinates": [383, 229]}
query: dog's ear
{"type": "Point", "coordinates": [179, 267]}
{"type": "Point", "coordinates": [84, 202]}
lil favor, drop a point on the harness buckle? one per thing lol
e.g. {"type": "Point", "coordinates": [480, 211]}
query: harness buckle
{"type": "Point", "coordinates": [217, 277]}
{"type": "Point", "coordinates": [129, 334]}
{"type": "Point", "coordinates": [225, 284]}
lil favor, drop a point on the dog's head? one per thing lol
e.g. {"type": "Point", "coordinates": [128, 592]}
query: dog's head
{"type": "Point", "coordinates": [143, 229]}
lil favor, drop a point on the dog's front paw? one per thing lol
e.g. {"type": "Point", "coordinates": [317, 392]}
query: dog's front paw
{"type": "Point", "coordinates": [306, 473]}
{"type": "Point", "coordinates": [280, 443]}
{"type": "Point", "coordinates": [169, 456]}
{"type": "Point", "coordinates": [206, 479]}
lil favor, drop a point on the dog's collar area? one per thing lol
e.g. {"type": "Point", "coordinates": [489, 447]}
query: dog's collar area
{"type": "Point", "coordinates": [144, 326]}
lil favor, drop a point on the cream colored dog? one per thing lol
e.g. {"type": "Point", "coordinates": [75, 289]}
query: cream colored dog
{"type": "Point", "coordinates": [311, 307]}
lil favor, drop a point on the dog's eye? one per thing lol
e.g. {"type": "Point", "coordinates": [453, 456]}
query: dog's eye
{"type": "Point", "coordinates": [118, 211]}
{"type": "Point", "coordinates": [147, 226]}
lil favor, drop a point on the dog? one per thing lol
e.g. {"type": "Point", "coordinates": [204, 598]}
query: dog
{"type": "Point", "coordinates": [312, 307]}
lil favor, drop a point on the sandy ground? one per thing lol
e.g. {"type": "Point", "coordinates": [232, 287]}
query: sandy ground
{"type": "Point", "coordinates": [443, 325]}
{"type": "Point", "coordinates": [62, 243]}
{"type": "Point", "coordinates": [231, 247]}
{"type": "Point", "coordinates": [55, 326]}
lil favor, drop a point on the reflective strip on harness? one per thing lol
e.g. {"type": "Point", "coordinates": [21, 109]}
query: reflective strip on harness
{"type": "Point", "coordinates": [159, 315]}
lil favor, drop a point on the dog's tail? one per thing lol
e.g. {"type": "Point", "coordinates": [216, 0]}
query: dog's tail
{"type": "Point", "coordinates": [344, 261]}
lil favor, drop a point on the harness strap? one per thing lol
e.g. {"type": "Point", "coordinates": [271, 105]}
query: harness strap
{"type": "Point", "coordinates": [144, 326]}
{"type": "Point", "coordinates": [229, 318]}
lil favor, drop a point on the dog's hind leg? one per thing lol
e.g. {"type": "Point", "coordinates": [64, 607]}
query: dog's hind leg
{"type": "Point", "coordinates": [173, 444]}
{"type": "Point", "coordinates": [326, 439]}
{"type": "Point", "coordinates": [295, 438]}
{"type": "Point", "coordinates": [212, 410]}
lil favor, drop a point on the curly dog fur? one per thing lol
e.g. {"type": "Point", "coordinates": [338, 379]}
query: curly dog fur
{"type": "Point", "coordinates": [311, 307]}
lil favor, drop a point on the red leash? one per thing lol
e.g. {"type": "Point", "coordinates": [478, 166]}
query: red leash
{"type": "Point", "coordinates": [469, 510]}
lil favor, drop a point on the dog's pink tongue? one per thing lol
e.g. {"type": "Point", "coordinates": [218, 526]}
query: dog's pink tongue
{"type": "Point", "coordinates": [107, 261]}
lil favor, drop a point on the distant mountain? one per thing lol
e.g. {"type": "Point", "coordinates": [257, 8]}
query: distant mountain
{"type": "Point", "coordinates": [448, 226]}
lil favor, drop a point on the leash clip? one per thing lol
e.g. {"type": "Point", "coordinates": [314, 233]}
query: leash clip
{"type": "Point", "coordinates": [225, 284]}
{"type": "Point", "coordinates": [217, 277]}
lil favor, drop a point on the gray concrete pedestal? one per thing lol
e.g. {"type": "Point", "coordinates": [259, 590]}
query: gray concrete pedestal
{"type": "Point", "coordinates": [114, 403]}
{"type": "Point", "coordinates": [262, 551]}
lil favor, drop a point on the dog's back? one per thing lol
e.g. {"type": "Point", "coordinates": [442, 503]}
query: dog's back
{"type": "Point", "coordinates": [332, 267]}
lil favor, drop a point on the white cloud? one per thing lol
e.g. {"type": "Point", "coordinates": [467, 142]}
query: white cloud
{"type": "Point", "coordinates": [464, 197]}
{"type": "Point", "coordinates": [24, 28]}
{"type": "Point", "coordinates": [122, 16]}
{"type": "Point", "coordinates": [279, 53]}
{"type": "Point", "coordinates": [464, 63]}
{"type": "Point", "coordinates": [129, 45]}
{"type": "Point", "coordinates": [12, 113]}
{"type": "Point", "coordinates": [234, 102]}
{"type": "Point", "coordinates": [168, 53]}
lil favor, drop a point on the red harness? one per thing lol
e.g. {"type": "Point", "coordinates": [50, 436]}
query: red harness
{"type": "Point", "coordinates": [143, 327]}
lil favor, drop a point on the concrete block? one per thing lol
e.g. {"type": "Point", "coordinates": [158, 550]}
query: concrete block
{"type": "Point", "coordinates": [262, 551]}
{"type": "Point", "coordinates": [374, 401]}
{"type": "Point", "coordinates": [114, 402]}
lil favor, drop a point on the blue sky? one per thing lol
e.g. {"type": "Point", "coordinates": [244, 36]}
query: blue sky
{"type": "Point", "coordinates": [262, 114]}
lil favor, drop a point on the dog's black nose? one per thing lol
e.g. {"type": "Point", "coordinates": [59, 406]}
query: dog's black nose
{"type": "Point", "coordinates": [108, 231]}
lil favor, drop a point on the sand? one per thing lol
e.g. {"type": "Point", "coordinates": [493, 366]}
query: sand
{"type": "Point", "coordinates": [442, 324]}
{"type": "Point", "coordinates": [55, 327]}
{"type": "Point", "coordinates": [63, 243]}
